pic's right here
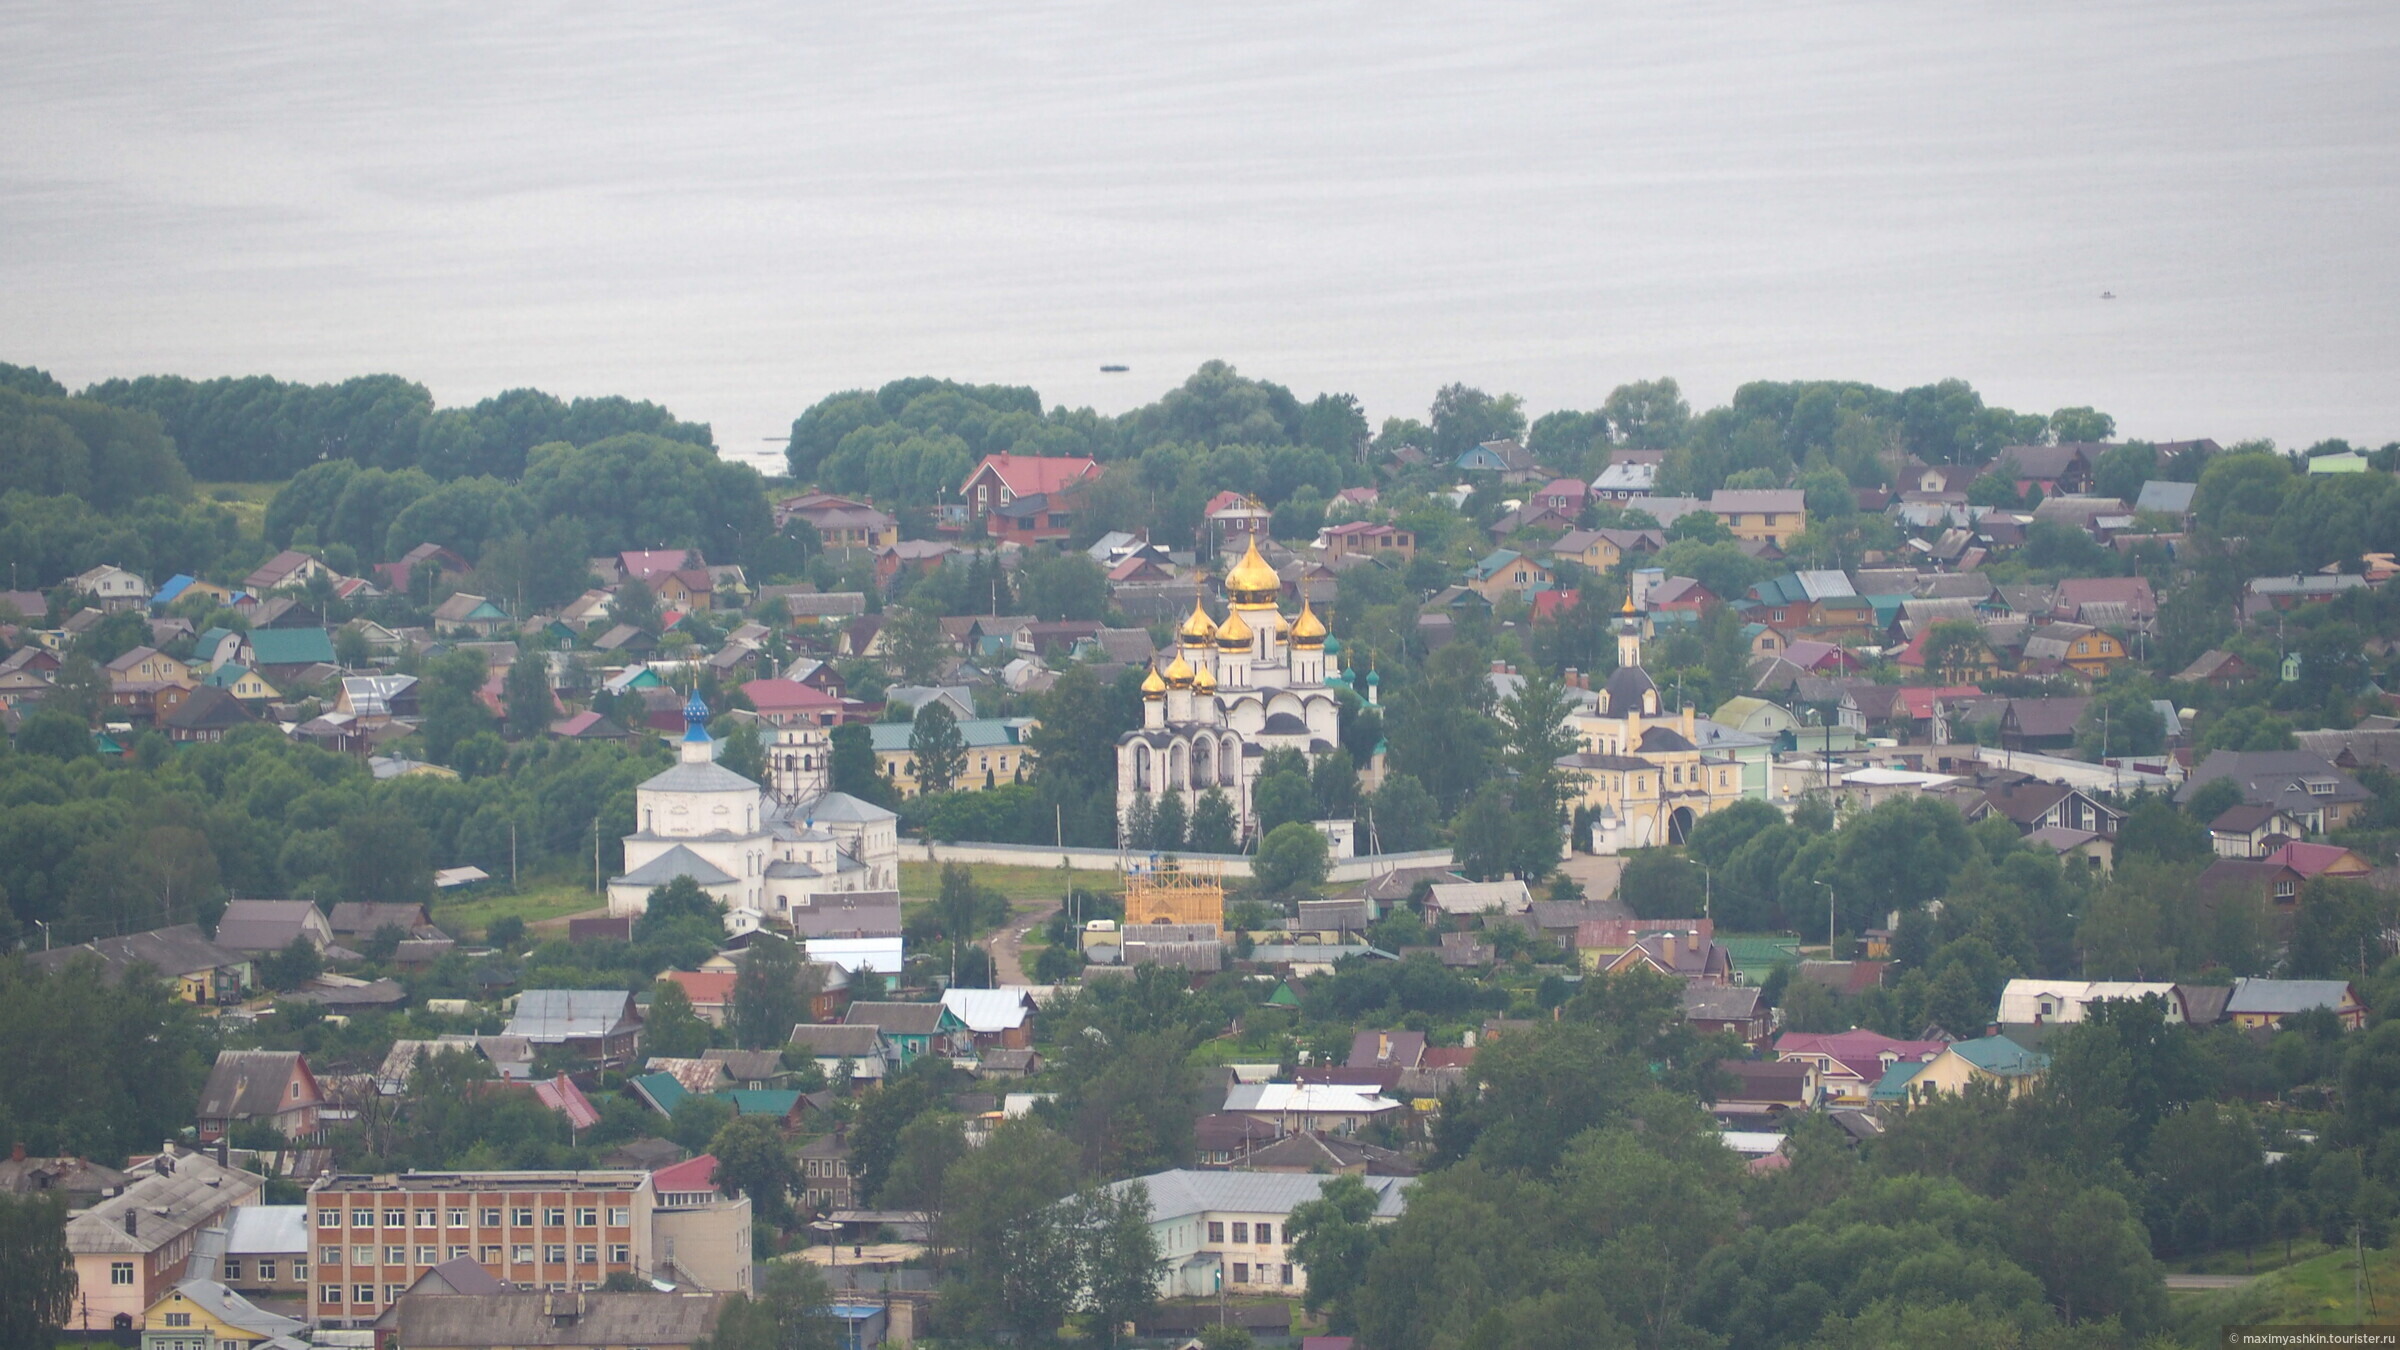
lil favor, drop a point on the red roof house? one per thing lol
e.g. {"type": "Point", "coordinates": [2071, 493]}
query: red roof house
{"type": "Point", "coordinates": [1028, 497]}
{"type": "Point", "coordinates": [789, 703]}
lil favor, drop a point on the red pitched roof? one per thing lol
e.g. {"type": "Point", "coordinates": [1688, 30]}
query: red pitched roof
{"type": "Point", "coordinates": [1919, 699]}
{"type": "Point", "coordinates": [710, 987]}
{"type": "Point", "coordinates": [643, 564]}
{"type": "Point", "coordinates": [1858, 1050]}
{"type": "Point", "coordinates": [561, 1095]}
{"type": "Point", "coordinates": [2308, 859]}
{"type": "Point", "coordinates": [1026, 475]}
{"type": "Point", "coordinates": [776, 696]}
{"type": "Point", "coordinates": [1548, 604]}
{"type": "Point", "coordinates": [686, 1177]}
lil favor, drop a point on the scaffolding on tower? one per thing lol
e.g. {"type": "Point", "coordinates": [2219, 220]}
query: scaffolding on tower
{"type": "Point", "coordinates": [1173, 890]}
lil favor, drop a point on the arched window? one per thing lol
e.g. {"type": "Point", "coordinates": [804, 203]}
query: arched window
{"type": "Point", "coordinates": [1203, 762]}
{"type": "Point", "coordinates": [1141, 768]}
{"type": "Point", "coordinates": [1175, 766]}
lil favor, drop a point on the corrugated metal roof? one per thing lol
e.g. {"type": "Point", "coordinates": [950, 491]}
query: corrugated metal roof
{"type": "Point", "coordinates": [1183, 1192]}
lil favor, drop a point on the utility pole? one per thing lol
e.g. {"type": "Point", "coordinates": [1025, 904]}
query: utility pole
{"type": "Point", "coordinates": [512, 855]}
{"type": "Point", "coordinates": [595, 855]}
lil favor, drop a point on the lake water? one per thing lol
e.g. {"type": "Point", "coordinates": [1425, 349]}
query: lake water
{"type": "Point", "coordinates": [737, 210]}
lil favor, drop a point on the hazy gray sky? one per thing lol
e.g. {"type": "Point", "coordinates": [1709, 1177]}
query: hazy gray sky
{"type": "Point", "coordinates": [736, 209]}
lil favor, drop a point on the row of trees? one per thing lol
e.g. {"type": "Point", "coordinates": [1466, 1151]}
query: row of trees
{"type": "Point", "coordinates": [258, 428]}
{"type": "Point", "coordinates": [634, 490]}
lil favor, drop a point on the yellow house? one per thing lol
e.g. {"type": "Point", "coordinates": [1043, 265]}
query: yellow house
{"type": "Point", "coordinates": [997, 753]}
{"type": "Point", "coordinates": [243, 683]}
{"type": "Point", "coordinates": [205, 1315]}
{"type": "Point", "coordinates": [1988, 1059]}
{"type": "Point", "coordinates": [2088, 651]}
{"type": "Point", "coordinates": [148, 665]}
{"type": "Point", "coordinates": [1771, 514]}
{"type": "Point", "coordinates": [1600, 550]}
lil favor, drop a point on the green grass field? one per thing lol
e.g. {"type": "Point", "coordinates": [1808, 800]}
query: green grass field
{"type": "Point", "coordinates": [2321, 1291]}
{"type": "Point", "coordinates": [247, 501]}
{"type": "Point", "coordinates": [1022, 885]}
{"type": "Point", "coordinates": [536, 902]}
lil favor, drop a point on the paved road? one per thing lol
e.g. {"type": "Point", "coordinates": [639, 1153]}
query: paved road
{"type": "Point", "coordinates": [2208, 1281]}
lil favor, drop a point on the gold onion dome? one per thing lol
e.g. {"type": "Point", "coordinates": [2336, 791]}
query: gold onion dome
{"type": "Point", "coordinates": [1154, 686]}
{"type": "Point", "coordinates": [1179, 674]}
{"type": "Point", "coordinates": [1307, 630]}
{"type": "Point", "coordinates": [1252, 582]}
{"type": "Point", "coordinates": [1199, 627]}
{"type": "Point", "coordinates": [1203, 681]}
{"type": "Point", "coordinates": [1233, 634]}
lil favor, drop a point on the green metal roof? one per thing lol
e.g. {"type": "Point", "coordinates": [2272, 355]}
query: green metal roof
{"type": "Point", "coordinates": [291, 646]}
{"type": "Point", "coordinates": [663, 1091]}
{"type": "Point", "coordinates": [2001, 1056]}
{"type": "Point", "coordinates": [1893, 1086]}
{"type": "Point", "coordinates": [761, 1101]}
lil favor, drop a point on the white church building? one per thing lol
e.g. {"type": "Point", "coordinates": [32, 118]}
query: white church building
{"type": "Point", "coordinates": [1235, 690]}
{"type": "Point", "coordinates": [760, 855]}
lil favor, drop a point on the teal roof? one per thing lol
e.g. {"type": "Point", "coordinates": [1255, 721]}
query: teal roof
{"type": "Point", "coordinates": [1893, 1086]}
{"type": "Point", "coordinates": [1782, 590]}
{"type": "Point", "coordinates": [291, 646]}
{"type": "Point", "coordinates": [979, 733]}
{"type": "Point", "coordinates": [2001, 1056]}
{"type": "Point", "coordinates": [1493, 565]}
{"type": "Point", "coordinates": [1887, 608]}
{"type": "Point", "coordinates": [227, 675]}
{"type": "Point", "coordinates": [661, 1091]}
{"type": "Point", "coordinates": [762, 1101]}
{"type": "Point", "coordinates": [1757, 957]}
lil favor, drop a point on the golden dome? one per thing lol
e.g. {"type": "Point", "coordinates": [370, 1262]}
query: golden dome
{"type": "Point", "coordinates": [1233, 634]}
{"type": "Point", "coordinates": [1204, 681]}
{"type": "Point", "coordinates": [1628, 609]}
{"type": "Point", "coordinates": [1153, 686]}
{"type": "Point", "coordinates": [1199, 627]}
{"type": "Point", "coordinates": [1307, 630]}
{"type": "Point", "coordinates": [1252, 582]}
{"type": "Point", "coordinates": [1179, 674]}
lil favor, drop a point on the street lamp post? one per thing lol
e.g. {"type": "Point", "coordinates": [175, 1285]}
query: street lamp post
{"type": "Point", "coordinates": [1829, 947]}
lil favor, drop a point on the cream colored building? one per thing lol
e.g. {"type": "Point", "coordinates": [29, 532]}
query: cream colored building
{"type": "Point", "coordinates": [1640, 768]}
{"type": "Point", "coordinates": [1256, 682]}
{"type": "Point", "coordinates": [1989, 1059]}
{"type": "Point", "coordinates": [131, 1248]}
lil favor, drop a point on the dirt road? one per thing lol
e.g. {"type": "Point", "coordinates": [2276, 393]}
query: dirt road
{"type": "Point", "coordinates": [1008, 945]}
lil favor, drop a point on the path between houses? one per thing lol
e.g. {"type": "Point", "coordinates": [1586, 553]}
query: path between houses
{"type": "Point", "coordinates": [1008, 945]}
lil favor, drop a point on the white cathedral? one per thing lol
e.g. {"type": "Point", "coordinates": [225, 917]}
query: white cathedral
{"type": "Point", "coordinates": [761, 853]}
{"type": "Point", "coordinates": [1235, 690]}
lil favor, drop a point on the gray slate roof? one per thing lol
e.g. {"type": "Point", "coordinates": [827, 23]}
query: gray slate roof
{"type": "Point", "coordinates": [525, 1318]}
{"type": "Point", "coordinates": [247, 1084]}
{"type": "Point", "coordinates": [1183, 1192]}
{"type": "Point", "coordinates": [897, 1019]}
{"type": "Point", "coordinates": [262, 925]}
{"type": "Point", "coordinates": [677, 862]}
{"type": "Point", "coordinates": [836, 1042]}
{"type": "Point", "coordinates": [846, 809]}
{"type": "Point", "coordinates": [550, 1016]}
{"type": "Point", "coordinates": [196, 1191]}
{"type": "Point", "coordinates": [708, 777]}
{"type": "Point", "coordinates": [2274, 998]}
{"type": "Point", "coordinates": [179, 950]}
